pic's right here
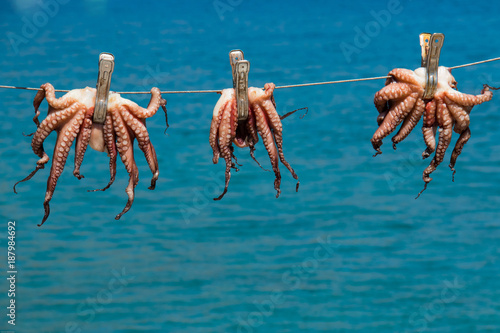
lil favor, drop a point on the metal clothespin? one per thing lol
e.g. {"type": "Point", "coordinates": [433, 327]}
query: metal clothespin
{"type": "Point", "coordinates": [240, 70]}
{"type": "Point", "coordinates": [106, 66]}
{"type": "Point", "coordinates": [431, 45]}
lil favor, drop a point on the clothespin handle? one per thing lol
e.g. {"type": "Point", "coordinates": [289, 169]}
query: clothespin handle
{"type": "Point", "coordinates": [240, 70]}
{"type": "Point", "coordinates": [234, 57]}
{"type": "Point", "coordinates": [106, 66]}
{"type": "Point", "coordinates": [431, 50]}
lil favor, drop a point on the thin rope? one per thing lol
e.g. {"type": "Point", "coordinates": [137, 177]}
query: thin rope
{"type": "Point", "coordinates": [332, 82]}
{"type": "Point", "coordinates": [174, 92]}
{"type": "Point", "coordinates": [26, 88]}
{"type": "Point", "coordinates": [475, 63]}
{"type": "Point", "coordinates": [278, 87]}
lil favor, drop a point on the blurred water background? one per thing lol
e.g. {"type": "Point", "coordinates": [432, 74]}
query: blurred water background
{"type": "Point", "coordinates": [352, 251]}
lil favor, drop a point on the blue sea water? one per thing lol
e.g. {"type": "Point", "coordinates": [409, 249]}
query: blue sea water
{"type": "Point", "coordinates": [352, 251]}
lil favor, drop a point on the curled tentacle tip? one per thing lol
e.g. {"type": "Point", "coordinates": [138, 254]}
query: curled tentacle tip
{"type": "Point", "coordinates": [377, 153]}
{"type": "Point", "coordinates": [425, 187]}
{"type": "Point", "coordinates": [453, 174]}
{"type": "Point", "coordinates": [221, 196]}
{"type": "Point", "coordinates": [27, 135]}
{"type": "Point", "coordinates": [307, 110]}
{"type": "Point", "coordinates": [394, 146]}
{"type": "Point", "coordinates": [487, 87]}
{"type": "Point", "coordinates": [44, 219]}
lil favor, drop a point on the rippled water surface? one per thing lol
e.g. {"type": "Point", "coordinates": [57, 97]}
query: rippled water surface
{"type": "Point", "coordinates": [352, 251]}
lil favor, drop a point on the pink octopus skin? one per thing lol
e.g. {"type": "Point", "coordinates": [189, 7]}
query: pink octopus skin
{"type": "Point", "coordinates": [262, 119]}
{"type": "Point", "coordinates": [71, 117]}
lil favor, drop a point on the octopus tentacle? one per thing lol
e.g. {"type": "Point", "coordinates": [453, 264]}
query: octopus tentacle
{"type": "Point", "coordinates": [39, 97]}
{"type": "Point", "coordinates": [445, 123]}
{"type": "Point", "coordinates": [82, 142]}
{"type": "Point", "coordinates": [65, 137]}
{"type": "Point", "coordinates": [275, 123]}
{"type": "Point", "coordinates": [40, 164]}
{"type": "Point", "coordinates": [394, 117]}
{"type": "Point", "coordinates": [469, 100]}
{"type": "Point", "coordinates": [252, 155]}
{"type": "Point", "coordinates": [142, 136]}
{"type": "Point", "coordinates": [214, 143]}
{"type": "Point", "coordinates": [153, 106]}
{"type": "Point", "coordinates": [50, 123]}
{"type": "Point", "coordinates": [226, 133]}
{"type": "Point", "coordinates": [405, 75]}
{"type": "Point", "coordinates": [56, 103]}
{"type": "Point", "coordinates": [268, 140]}
{"type": "Point", "coordinates": [253, 136]}
{"type": "Point", "coordinates": [235, 163]}
{"type": "Point", "coordinates": [462, 140]}
{"type": "Point", "coordinates": [429, 128]}
{"type": "Point", "coordinates": [222, 104]}
{"type": "Point", "coordinates": [163, 104]}
{"type": "Point", "coordinates": [110, 141]}
{"type": "Point", "coordinates": [390, 92]}
{"type": "Point", "coordinates": [252, 127]}
{"type": "Point", "coordinates": [460, 114]}
{"type": "Point", "coordinates": [124, 145]}
{"type": "Point", "coordinates": [410, 121]}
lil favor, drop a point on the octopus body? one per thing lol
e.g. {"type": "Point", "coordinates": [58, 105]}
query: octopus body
{"type": "Point", "coordinates": [263, 119]}
{"type": "Point", "coordinates": [70, 116]}
{"type": "Point", "coordinates": [401, 101]}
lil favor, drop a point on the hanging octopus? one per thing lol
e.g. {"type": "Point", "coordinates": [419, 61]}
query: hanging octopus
{"type": "Point", "coordinates": [262, 119]}
{"type": "Point", "coordinates": [71, 117]}
{"type": "Point", "coordinates": [449, 110]}
{"type": "Point", "coordinates": [401, 101]}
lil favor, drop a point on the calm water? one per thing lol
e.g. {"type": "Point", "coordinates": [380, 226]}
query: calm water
{"type": "Point", "coordinates": [352, 251]}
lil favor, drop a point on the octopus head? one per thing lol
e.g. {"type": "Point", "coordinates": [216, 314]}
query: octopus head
{"type": "Point", "coordinates": [446, 81]}
{"type": "Point", "coordinates": [85, 96]}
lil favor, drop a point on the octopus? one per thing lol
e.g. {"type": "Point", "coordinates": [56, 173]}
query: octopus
{"type": "Point", "coordinates": [70, 116]}
{"type": "Point", "coordinates": [263, 120]}
{"type": "Point", "coordinates": [401, 101]}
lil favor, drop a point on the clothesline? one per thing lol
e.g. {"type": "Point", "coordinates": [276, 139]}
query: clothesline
{"type": "Point", "coordinates": [277, 87]}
